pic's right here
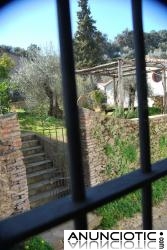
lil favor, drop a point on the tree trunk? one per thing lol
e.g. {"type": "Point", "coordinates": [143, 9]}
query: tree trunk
{"type": "Point", "coordinates": [115, 91]}
{"type": "Point", "coordinates": [120, 85]}
{"type": "Point", "coordinates": [131, 97]}
{"type": "Point", "coordinates": [54, 109]}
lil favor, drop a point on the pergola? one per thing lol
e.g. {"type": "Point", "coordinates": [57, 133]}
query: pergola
{"type": "Point", "coordinates": [124, 67]}
{"type": "Point", "coordinates": [119, 69]}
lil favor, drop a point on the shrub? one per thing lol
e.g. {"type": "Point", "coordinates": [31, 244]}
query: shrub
{"type": "Point", "coordinates": [37, 243]}
{"type": "Point", "coordinates": [154, 111]}
{"type": "Point", "coordinates": [122, 113]}
{"type": "Point", "coordinates": [34, 243]}
{"type": "Point", "coordinates": [4, 98]}
{"type": "Point", "coordinates": [98, 98]}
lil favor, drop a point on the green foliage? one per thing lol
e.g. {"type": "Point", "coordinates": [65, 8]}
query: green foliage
{"type": "Point", "coordinates": [34, 243]}
{"type": "Point", "coordinates": [4, 98]}
{"type": "Point", "coordinates": [117, 210]}
{"type": "Point", "coordinates": [122, 113]}
{"type": "Point", "coordinates": [89, 43]}
{"type": "Point", "coordinates": [154, 111]}
{"type": "Point", "coordinates": [120, 155]}
{"type": "Point", "coordinates": [39, 78]}
{"type": "Point", "coordinates": [123, 44]}
{"type": "Point", "coordinates": [97, 97]}
{"type": "Point", "coordinates": [128, 205]}
{"type": "Point", "coordinates": [93, 100]}
{"type": "Point", "coordinates": [6, 64]}
{"type": "Point", "coordinates": [163, 142]}
{"type": "Point", "coordinates": [37, 243]}
{"type": "Point", "coordinates": [35, 122]}
{"type": "Point", "coordinates": [42, 124]}
{"type": "Point", "coordinates": [133, 113]}
{"type": "Point", "coordinates": [128, 151]}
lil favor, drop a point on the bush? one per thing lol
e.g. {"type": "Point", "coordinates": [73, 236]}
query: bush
{"type": "Point", "coordinates": [154, 111]}
{"type": "Point", "coordinates": [133, 113]}
{"type": "Point", "coordinates": [37, 243]}
{"type": "Point", "coordinates": [98, 97]}
{"type": "Point", "coordinates": [127, 114]}
{"type": "Point", "coordinates": [4, 98]}
{"type": "Point", "coordinates": [92, 100]}
{"type": "Point", "coordinates": [34, 243]}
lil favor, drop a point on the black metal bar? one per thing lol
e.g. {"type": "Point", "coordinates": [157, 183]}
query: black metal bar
{"type": "Point", "coordinates": [37, 220]}
{"type": "Point", "coordinates": [4, 3]}
{"type": "Point", "coordinates": [71, 109]}
{"type": "Point", "coordinates": [143, 110]}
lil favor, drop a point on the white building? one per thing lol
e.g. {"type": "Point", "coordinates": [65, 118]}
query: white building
{"type": "Point", "coordinates": [155, 89]}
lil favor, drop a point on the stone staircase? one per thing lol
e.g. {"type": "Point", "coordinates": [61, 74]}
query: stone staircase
{"type": "Point", "coordinates": [45, 182]}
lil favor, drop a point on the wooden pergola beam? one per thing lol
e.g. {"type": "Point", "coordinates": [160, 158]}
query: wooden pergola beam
{"type": "Point", "coordinates": [127, 66]}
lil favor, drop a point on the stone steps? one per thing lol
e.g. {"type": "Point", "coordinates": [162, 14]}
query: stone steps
{"type": "Point", "coordinates": [25, 136]}
{"type": "Point", "coordinates": [45, 183]}
{"type": "Point", "coordinates": [37, 176]}
{"type": "Point", "coordinates": [31, 150]}
{"type": "Point", "coordinates": [38, 166]}
{"type": "Point", "coordinates": [34, 158]}
{"type": "Point", "coordinates": [30, 143]}
{"type": "Point", "coordinates": [42, 198]}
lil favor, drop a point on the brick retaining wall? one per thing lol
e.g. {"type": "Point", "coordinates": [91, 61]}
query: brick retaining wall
{"type": "Point", "coordinates": [13, 181]}
{"type": "Point", "coordinates": [98, 130]}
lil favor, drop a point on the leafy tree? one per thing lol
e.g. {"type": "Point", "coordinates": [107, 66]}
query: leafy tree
{"type": "Point", "coordinates": [155, 44]}
{"type": "Point", "coordinates": [89, 43]}
{"type": "Point", "coordinates": [39, 79]}
{"type": "Point", "coordinates": [32, 51]}
{"type": "Point", "coordinates": [4, 97]}
{"type": "Point", "coordinates": [6, 64]}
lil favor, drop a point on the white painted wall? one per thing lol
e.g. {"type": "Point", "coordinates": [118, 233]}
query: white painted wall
{"type": "Point", "coordinates": [156, 87]}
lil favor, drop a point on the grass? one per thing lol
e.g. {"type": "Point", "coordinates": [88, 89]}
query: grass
{"type": "Point", "coordinates": [45, 125]}
{"type": "Point", "coordinates": [128, 205]}
{"type": "Point", "coordinates": [129, 114]}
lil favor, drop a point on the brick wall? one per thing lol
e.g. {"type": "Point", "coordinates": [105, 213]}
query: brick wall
{"type": "Point", "coordinates": [13, 181]}
{"type": "Point", "coordinates": [98, 130]}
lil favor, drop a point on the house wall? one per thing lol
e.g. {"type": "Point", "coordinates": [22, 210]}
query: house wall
{"type": "Point", "coordinates": [155, 89]}
{"type": "Point", "coordinates": [121, 136]}
{"type": "Point", "coordinates": [13, 181]}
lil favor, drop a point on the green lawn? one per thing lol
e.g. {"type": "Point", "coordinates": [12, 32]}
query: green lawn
{"type": "Point", "coordinates": [45, 125]}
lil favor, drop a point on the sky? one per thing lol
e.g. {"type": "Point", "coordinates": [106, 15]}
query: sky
{"type": "Point", "coordinates": [35, 21]}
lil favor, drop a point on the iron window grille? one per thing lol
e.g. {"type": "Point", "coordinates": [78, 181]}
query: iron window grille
{"type": "Point", "coordinates": [76, 206]}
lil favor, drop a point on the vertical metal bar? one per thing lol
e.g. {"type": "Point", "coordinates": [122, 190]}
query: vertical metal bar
{"type": "Point", "coordinates": [71, 109]}
{"type": "Point", "coordinates": [143, 111]}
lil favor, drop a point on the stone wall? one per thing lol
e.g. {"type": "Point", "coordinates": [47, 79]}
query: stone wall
{"type": "Point", "coordinates": [13, 181]}
{"type": "Point", "coordinates": [111, 145]}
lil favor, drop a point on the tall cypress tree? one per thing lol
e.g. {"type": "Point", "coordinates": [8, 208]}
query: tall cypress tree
{"type": "Point", "coordinates": [88, 40]}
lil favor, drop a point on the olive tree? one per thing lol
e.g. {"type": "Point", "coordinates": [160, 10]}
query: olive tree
{"type": "Point", "coordinates": [39, 79]}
